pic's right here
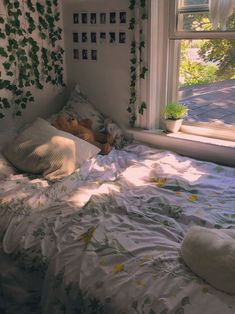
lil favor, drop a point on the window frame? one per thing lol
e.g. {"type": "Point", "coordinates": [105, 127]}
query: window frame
{"type": "Point", "coordinates": [175, 34]}
{"type": "Point", "coordinates": [168, 87]}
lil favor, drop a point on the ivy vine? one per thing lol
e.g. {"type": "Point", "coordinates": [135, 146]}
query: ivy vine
{"type": "Point", "coordinates": [136, 60]}
{"type": "Point", "coordinates": [30, 53]}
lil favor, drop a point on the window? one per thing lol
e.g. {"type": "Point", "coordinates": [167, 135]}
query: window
{"type": "Point", "coordinates": [202, 65]}
{"type": "Point", "coordinates": [195, 46]}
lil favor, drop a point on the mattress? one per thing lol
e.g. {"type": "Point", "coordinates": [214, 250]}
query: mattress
{"type": "Point", "coordinates": [107, 238]}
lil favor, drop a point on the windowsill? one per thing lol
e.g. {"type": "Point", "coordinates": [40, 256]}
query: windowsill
{"type": "Point", "coordinates": [200, 147]}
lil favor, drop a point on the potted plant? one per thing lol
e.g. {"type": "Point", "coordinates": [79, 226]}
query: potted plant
{"type": "Point", "coordinates": [174, 113]}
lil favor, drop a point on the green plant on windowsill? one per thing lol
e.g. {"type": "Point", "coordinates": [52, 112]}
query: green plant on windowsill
{"type": "Point", "coordinates": [174, 113]}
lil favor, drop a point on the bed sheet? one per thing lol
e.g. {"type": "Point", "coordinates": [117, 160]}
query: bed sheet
{"type": "Point", "coordinates": [107, 238]}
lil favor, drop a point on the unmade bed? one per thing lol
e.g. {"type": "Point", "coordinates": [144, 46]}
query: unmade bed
{"type": "Point", "coordinates": [106, 239]}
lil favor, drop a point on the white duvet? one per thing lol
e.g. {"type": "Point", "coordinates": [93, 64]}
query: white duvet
{"type": "Point", "coordinates": [107, 238]}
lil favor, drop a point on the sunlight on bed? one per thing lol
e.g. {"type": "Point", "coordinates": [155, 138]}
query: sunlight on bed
{"type": "Point", "coordinates": [167, 168]}
{"type": "Point", "coordinates": [82, 195]}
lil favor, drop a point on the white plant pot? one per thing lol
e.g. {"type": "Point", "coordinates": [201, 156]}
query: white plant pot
{"type": "Point", "coordinates": [173, 125]}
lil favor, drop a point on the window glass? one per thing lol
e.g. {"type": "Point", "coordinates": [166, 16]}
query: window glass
{"type": "Point", "coordinates": [194, 16]}
{"type": "Point", "coordinates": [207, 80]}
{"type": "Point", "coordinates": [205, 75]}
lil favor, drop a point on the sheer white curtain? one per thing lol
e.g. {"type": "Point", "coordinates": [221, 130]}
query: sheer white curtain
{"type": "Point", "coordinates": [220, 10]}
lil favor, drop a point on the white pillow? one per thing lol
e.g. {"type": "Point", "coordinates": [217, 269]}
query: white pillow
{"type": "Point", "coordinates": [42, 149]}
{"type": "Point", "coordinates": [210, 253]}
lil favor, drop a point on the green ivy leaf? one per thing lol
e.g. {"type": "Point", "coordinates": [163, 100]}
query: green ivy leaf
{"type": "Point", "coordinates": [6, 65]}
{"type": "Point", "coordinates": [2, 35]}
{"type": "Point", "coordinates": [142, 108]}
{"type": "Point", "coordinates": [143, 72]}
{"type": "Point", "coordinates": [40, 8]}
{"type": "Point", "coordinates": [132, 4]}
{"type": "Point", "coordinates": [30, 5]}
{"type": "Point", "coordinates": [143, 3]}
{"type": "Point", "coordinates": [57, 17]}
{"type": "Point", "coordinates": [185, 301]}
{"type": "Point", "coordinates": [133, 69]}
{"type": "Point", "coordinates": [6, 2]}
{"type": "Point", "coordinates": [132, 23]}
{"type": "Point", "coordinates": [144, 16]}
{"type": "Point", "coordinates": [3, 52]}
{"type": "Point", "coordinates": [133, 60]}
{"type": "Point", "coordinates": [132, 120]}
{"type": "Point", "coordinates": [42, 22]}
{"type": "Point", "coordinates": [9, 30]}
{"type": "Point", "coordinates": [4, 84]}
{"type": "Point", "coordinates": [142, 44]}
{"type": "Point", "coordinates": [10, 73]}
{"type": "Point", "coordinates": [6, 103]}
{"type": "Point", "coordinates": [23, 105]}
{"type": "Point", "coordinates": [16, 4]}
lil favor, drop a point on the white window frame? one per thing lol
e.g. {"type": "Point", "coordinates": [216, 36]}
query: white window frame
{"type": "Point", "coordinates": [163, 68]}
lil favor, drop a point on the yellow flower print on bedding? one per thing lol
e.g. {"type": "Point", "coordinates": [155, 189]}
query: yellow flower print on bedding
{"type": "Point", "coordinates": [87, 236]}
{"type": "Point", "coordinates": [3, 200]}
{"type": "Point", "coordinates": [178, 193]}
{"type": "Point", "coordinates": [159, 181]}
{"type": "Point", "coordinates": [193, 198]}
{"type": "Point", "coordinates": [118, 268]}
{"type": "Point", "coordinates": [64, 188]}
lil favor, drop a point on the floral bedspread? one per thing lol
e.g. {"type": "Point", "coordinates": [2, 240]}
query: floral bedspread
{"type": "Point", "coordinates": [107, 238]}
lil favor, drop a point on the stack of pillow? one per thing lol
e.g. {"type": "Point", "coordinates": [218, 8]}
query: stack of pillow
{"type": "Point", "coordinates": [79, 106]}
{"type": "Point", "coordinates": [42, 149]}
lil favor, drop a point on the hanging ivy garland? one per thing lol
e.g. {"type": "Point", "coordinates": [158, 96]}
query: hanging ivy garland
{"type": "Point", "coordinates": [31, 54]}
{"type": "Point", "coordinates": [136, 60]}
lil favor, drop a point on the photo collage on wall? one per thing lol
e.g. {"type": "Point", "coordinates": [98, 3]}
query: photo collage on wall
{"type": "Point", "coordinates": [93, 29]}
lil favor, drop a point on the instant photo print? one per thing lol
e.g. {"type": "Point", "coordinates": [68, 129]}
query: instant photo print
{"type": "Point", "coordinates": [122, 37]}
{"type": "Point", "coordinates": [102, 18]}
{"type": "Point", "coordinates": [84, 54]}
{"type": "Point", "coordinates": [94, 54]}
{"type": "Point", "coordinates": [76, 54]}
{"type": "Point", "coordinates": [93, 37]}
{"type": "Point", "coordinates": [84, 18]}
{"type": "Point", "coordinates": [112, 37]}
{"type": "Point", "coordinates": [122, 16]}
{"type": "Point", "coordinates": [76, 18]}
{"type": "Point", "coordinates": [84, 37]}
{"type": "Point", "coordinates": [75, 37]}
{"type": "Point", "coordinates": [112, 17]}
{"type": "Point", "coordinates": [93, 18]}
{"type": "Point", "coordinates": [102, 37]}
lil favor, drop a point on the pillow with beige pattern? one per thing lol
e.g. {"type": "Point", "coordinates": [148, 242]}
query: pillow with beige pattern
{"type": "Point", "coordinates": [42, 149]}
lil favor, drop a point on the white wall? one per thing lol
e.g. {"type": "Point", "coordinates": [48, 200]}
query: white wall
{"type": "Point", "coordinates": [47, 101]}
{"type": "Point", "coordinates": [105, 81]}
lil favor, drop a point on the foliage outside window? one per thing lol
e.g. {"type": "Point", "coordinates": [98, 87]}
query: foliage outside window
{"type": "Point", "coordinates": [212, 43]}
{"type": "Point", "coordinates": [30, 53]}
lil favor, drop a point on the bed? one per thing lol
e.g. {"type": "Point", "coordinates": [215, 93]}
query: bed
{"type": "Point", "coordinates": [106, 239]}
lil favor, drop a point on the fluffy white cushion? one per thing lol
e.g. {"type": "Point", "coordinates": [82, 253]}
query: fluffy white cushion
{"type": "Point", "coordinates": [210, 253]}
{"type": "Point", "coordinates": [42, 149]}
